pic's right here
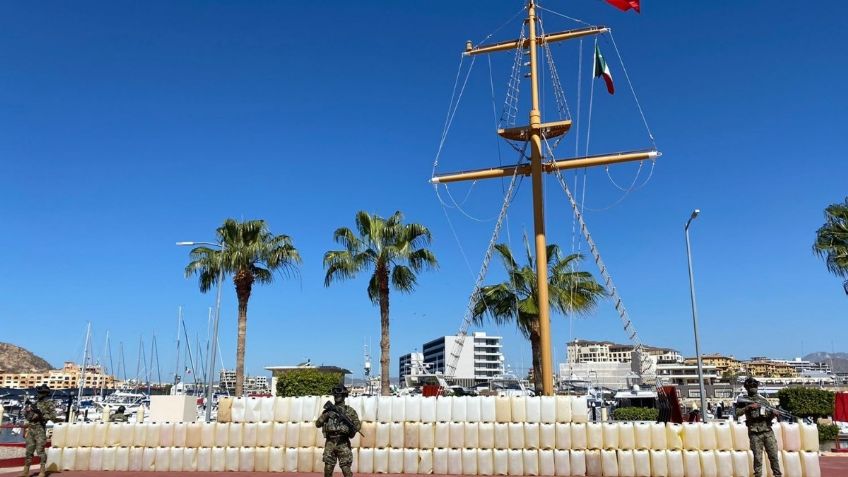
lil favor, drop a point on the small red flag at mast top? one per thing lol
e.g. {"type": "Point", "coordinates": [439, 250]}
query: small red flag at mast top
{"type": "Point", "coordinates": [625, 5]}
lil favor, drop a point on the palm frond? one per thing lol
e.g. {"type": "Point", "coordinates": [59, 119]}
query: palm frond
{"type": "Point", "coordinates": [403, 279]}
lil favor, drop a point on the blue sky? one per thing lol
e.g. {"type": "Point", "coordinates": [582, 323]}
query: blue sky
{"type": "Point", "coordinates": [125, 128]}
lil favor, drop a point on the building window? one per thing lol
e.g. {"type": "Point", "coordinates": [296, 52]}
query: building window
{"type": "Point", "coordinates": [694, 393]}
{"type": "Point", "coordinates": [723, 393]}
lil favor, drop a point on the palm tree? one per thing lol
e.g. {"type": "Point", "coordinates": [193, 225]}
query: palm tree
{"type": "Point", "coordinates": [569, 291]}
{"type": "Point", "coordinates": [250, 253]}
{"type": "Point", "coordinates": [832, 240]}
{"type": "Point", "coordinates": [394, 252]}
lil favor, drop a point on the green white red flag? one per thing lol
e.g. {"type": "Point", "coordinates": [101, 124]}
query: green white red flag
{"type": "Point", "coordinates": [625, 5]}
{"type": "Point", "coordinates": [602, 70]}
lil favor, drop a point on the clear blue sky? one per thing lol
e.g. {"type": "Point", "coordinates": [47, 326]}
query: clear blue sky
{"type": "Point", "coordinates": [125, 127]}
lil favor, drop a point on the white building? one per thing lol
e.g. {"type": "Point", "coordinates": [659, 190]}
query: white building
{"type": "Point", "coordinates": [410, 364]}
{"type": "Point", "coordinates": [481, 358]}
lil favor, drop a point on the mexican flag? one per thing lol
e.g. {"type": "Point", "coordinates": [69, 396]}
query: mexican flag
{"type": "Point", "coordinates": [601, 69]}
{"type": "Point", "coordinates": [625, 5]}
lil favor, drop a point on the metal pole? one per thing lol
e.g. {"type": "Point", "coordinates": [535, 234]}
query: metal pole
{"type": "Point", "coordinates": [177, 365]}
{"type": "Point", "coordinates": [695, 318]}
{"type": "Point", "coordinates": [209, 389]}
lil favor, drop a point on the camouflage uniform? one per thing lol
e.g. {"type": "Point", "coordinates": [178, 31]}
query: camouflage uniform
{"type": "Point", "coordinates": [761, 435]}
{"type": "Point", "coordinates": [118, 417]}
{"type": "Point", "coordinates": [37, 414]}
{"type": "Point", "coordinates": [338, 435]}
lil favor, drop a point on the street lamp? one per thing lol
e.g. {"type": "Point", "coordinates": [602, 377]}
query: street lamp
{"type": "Point", "coordinates": [211, 365]}
{"type": "Point", "coordinates": [695, 317]}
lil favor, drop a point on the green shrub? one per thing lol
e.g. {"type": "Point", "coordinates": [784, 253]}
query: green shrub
{"type": "Point", "coordinates": [806, 402]}
{"type": "Point", "coordinates": [635, 414]}
{"type": "Point", "coordinates": [828, 432]}
{"type": "Point", "coordinates": [307, 382]}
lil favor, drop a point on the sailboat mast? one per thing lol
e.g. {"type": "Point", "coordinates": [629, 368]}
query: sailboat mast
{"type": "Point", "coordinates": [538, 212]}
{"type": "Point", "coordinates": [177, 364]}
{"type": "Point", "coordinates": [84, 362]}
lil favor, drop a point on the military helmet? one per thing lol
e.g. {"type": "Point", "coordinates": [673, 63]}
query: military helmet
{"type": "Point", "coordinates": [43, 389]}
{"type": "Point", "coordinates": [340, 390]}
{"type": "Point", "coordinates": [121, 409]}
{"type": "Point", "coordinates": [751, 383]}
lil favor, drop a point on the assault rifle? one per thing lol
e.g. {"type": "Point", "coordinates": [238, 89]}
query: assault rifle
{"type": "Point", "coordinates": [32, 413]}
{"type": "Point", "coordinates": [330, 407]}
{"type": "Point", "coordinates": [780, 412]}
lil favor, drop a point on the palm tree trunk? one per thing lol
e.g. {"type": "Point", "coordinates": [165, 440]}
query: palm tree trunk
{"type": "Point", "coordinates": [536, 351]}
{"type": "Point", "coordinates": [383, 277]}
{"type": "Point", "coordinates": [243, 282]}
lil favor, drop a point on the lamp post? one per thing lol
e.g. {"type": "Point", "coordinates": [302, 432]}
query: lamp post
{"type": "Point", "coordinates": [214, 348]}
{"type": "Point", "coordinates": [695, 317]}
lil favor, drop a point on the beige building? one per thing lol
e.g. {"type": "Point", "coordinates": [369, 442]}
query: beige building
{"type": "Point", "coordinates": [766, 368]}
{"type": "Point", "coordinates": [66, 378]}
{"type": "Point", "coordinates": [722, 363]}
{"type": "Point", "coordinates": [606, 351]}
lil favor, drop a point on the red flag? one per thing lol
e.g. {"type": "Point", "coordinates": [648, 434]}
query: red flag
{"type": "Point", "coordinates": [625, 5]}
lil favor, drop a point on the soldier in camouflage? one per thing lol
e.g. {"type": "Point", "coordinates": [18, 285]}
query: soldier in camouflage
{"type": "Point", "coordinates": [37, 414]}
{"type": "Point", "coordinates": [338, 430]}
{"type": "Point", "coordinates": [758, 416]}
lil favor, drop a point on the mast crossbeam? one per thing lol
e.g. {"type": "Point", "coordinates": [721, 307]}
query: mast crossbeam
{"type": "Point", "coordinates": [542, 40]}
{"type": "Point", "coordinates": [547, 130]}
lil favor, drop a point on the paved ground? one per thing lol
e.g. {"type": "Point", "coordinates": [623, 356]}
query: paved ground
{"type": "Point", "coordinates": [831, 466]}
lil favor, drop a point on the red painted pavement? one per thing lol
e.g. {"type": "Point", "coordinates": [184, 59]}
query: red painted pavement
{"type": "Point", "coordinates": [831, 466]}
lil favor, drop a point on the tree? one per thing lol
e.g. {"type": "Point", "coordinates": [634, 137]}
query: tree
{"type": "Point", "coordinates": [569, 291]}
{"type": "Point", "coordinates": [832, 240]}
{"type": "Point", "coordinates": [250, 253]}
{"type": "Point", "coordinates": [395, 252]}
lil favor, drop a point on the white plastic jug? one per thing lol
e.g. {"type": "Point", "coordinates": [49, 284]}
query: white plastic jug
{"type": "Point", "coordinates": [692, 436]}
{"type": "Point", "coordinates": [469, 461]}
{"type": "Point", "coordinates": [548, 411]}
{"type": "Point", "coordinates": [369, 409]}
{"type": "Point", "coordinates": [410, 460]}
{"type": "Point", "coordinates": [642, 435]}
{"type": "Point", "coordinates": [381, 461]}
{"type": "Point", "coordinates": [533, 409]}
{"type": "Point", "coordinates": [440, 461]}
{"type": "Point", "coordinates": [425, 461]}
{"type": "Point", "coordinates": [546, 462]}
{"type": "Point", "coordinates": [180, 431]}
{"type": "Point", "coordinates": [312, 407]}
{"type": "Point", "coordinates": [383, 434]}
{"type": "Point", "coordinates": [531, 435]}
{"type": "Point", "coordinates": [127, 433]}
{"type": "Point", "coordinates": [83, 461]}
{"type": "Point", "coordinates": [488, 411]}
{"type": "Point", "coordinates": [122, 458]}
{"type": "Point", "coordinates": [396, 432]}
{"type": "Point", "coordinates": [562, 462]}
{"type": "Point", "coordinates": [135, 459]}
{"type": "Point", "coordinates": [609, 463]}
{"type": "Point", "coordinates": [248, 434]}
{"type": "Point", "coordinates": [276, 459]}
{"type": "Point", "coordinates": [86, 434]}
{"type": "Point", "coordinates": [594, 464]}
{"type": "Point", "coordinates": [442, 435]}
{"type": "Point", "coordinates": [58, 440]}
{"type": "Point", "coordinates": [384, 410]}
{"type": "Point", "coordinates": [162, 462]}
{"type": "Point", "coordinates": [503, 409]}
{"type": "Point", "coordinates": [530, 461]}
{"type": "Point", "coordinates": [98, 437]}
{"type": "Point", "coordinates": [741, 465]}
{"type": "Point", "coordinates": [501, 435]}
{"type": "Point", "coordinates": [515, 462]}
{"type": "Point", "coordinates": [264, 434]}
{"type": "Point", "coordinates": [472, 409]}
{"type": "Point", "coordinates": [290, 459]}
{"type": "Point", "coordinates": [709, 437]}
{"type": "Point", "coordinates": [444, 406]}
{"type": "Point", "coordinates": [809, 437]}
{"type": "Point", "coordinates": [206, 457]}
{"type": "Point", "coordinates": [809, 464]}
{"type": "Point", "coordinates": [579, 410]}
{"type": "Point", "coordinates": [518, 408]}
{"type": "Point", "coordinates": [237, 409]}
{"type": "Point", "coordinates": [642, 463]}
{"type": "Point", "coordinates": [724, 436]}
{"type": "Point", "coordinates": [411, 431]}
{"type": "Point", "coordinates": [563, 435]}
{"type": "Point", "coordinates": [306, 434]}
{"type": "Point", "coordinates": [234, 434]}
{"type": "Point", "coordinates": [724, 463]}
{"type": "Point", "coordinates": [626, 436]}
{"type": "Point", "coordinates": [563, 408]}
{"type": "Point", "coordinates": [72, 435]}
{"type": "Point", "coordinates": [95, 460]}
{"type": "Point", "coordinates": [594, 435]}
{"type": "Point", "coordinates": [609, 432]}
{"type": "Point", "coordinates": [516, 435]}
{"type": "Point", "coordinates": [399, 410]}
{"type": "Point", "coordinates": [457, 435]}
{"type": "Point", "coordinates": [252, 409]}
{"type": "Point", "coordinates": [222, 433]}
{"type": "Point", "coordinates": [207, 434]}
{"type": "Point", "coordinates": [578, 462]}
{"type": "Point", "coordinates": [485, 462]}
{"type": "Point", "coordinates": [674, 460]}
{"type": "Point", "coordinates": [709, 466]}
{"type": "Point", "coordinates": [176, 458]}
{"type": "Point", "coordinates": [692, 463]}
{"type": "Point", "coordinates": [281, 409]}
{"type": "Point", "coordinates": [658, 435]}
{"type": "Point", "coordinates": [267, 409]}
{"type": "Point", "coordinates": [231, 459]}
{"type": "Point", "coordinates": [458, 408]}
{"type": "Point", "coordinates": [740, 436]}
{"type": "Point", "coordinates": [471, 435]}
{"type": "Point", "coordinates": [295, 409]}
{"type": "Point", "coordinates": [189, 459]}
{"type": "Point", "coordinates": [486, 435]}
{"type": "Point", "coordinates": [369, 435]}
{"type": "Point", "coordinates": [304, 459]}
{"type": "Point", "coordinates": [659, 463]}
{"type": "Point", "coordinates": [500, 458]}
{"type": "Point", "coordinates": [674, 436]}
{"type": "Point", "coordinates": [395, 457]}
{"type": "Point", "coordinates": [791, 436]}
{"type": "Point", "coordinates": [261, 458]}
{"type": "Point", "coordinates": [455, 461]}
{"type": "Point", "coordinates": [366, 461]}
{"type": "Point", "coordinates": [113, 435]}
{"type": "Point", "coordinates": [428, 409]}
{"type": "Point", "coordinates": [69, 455]}
{"type": "Point", "coordinates": [412, 409]}
{"type": "Point", "coordinates": [426, 435]}
{"type": "Point", "coordinates": [579, 436]}
{"type": "Point", "coordinates": [626, 463]}
{"type": "Point", "coordinates": [547, 436]}
{"type": "Point", "coordinates": [54, 459]}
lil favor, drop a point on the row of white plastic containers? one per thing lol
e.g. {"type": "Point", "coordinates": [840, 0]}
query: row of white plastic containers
{"type": "Point", "coordinates": [542, 409]}
{"type": "Point", "coordinates": [516, 462]}
{"type": "Point", "coordinates": [418, 435]}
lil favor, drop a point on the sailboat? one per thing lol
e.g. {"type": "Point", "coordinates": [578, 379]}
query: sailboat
{"type": "Point", "coordinates": [535, 143]}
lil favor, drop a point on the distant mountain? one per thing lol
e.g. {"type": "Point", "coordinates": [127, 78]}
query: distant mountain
{"type": "Point", "coordinates": [840, 360]}
{"type": "Point", "coordinates": [14, 359]}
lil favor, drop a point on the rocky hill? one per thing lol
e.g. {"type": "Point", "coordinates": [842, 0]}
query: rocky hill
{"type": "Point", "coordinates": [840, 360]}
{"type": "Point", "coordinates": [14, 359]}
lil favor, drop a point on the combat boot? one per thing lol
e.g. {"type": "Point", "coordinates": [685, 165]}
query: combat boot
{"type": "Point", "coordinates": [25, 472]}
{"type": "Point", "coordinates": [42, 471]}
